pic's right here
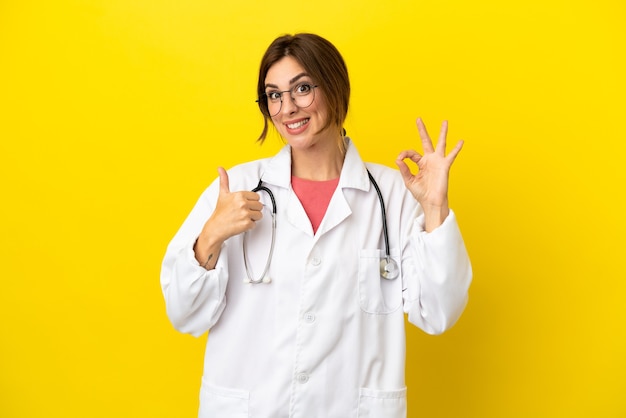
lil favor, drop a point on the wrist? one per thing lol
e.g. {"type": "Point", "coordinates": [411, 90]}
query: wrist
{"type": "Point", "coordinates": [434, 216]}
{"type": "Point", "coordinates": [206, 249]}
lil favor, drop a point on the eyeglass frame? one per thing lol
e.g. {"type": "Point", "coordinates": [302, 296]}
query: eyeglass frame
{"type": "Point", "coordinates": [291, 94]}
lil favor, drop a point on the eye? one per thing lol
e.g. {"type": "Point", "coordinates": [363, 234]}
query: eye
{"type": "Point", "coordinates": [303, 89]}
{"type": "Point", "coordinates": [274, 96]}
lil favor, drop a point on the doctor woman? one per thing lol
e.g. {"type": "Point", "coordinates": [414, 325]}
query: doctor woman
{"type": "Point", "coordinates": [306, 307]}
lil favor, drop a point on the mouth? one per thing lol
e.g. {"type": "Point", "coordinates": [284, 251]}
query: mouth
{"type": "Point", "coordinates": [299, 124]}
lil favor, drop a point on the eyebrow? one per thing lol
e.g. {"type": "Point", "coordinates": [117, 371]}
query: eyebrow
{"type": "Point", "coordinates": [293, 80]}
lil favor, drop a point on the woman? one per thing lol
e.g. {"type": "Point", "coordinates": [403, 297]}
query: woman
{"type": "Point", "coordinates": [321, 332]}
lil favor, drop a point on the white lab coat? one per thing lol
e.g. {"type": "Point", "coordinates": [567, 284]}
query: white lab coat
{"type": "Point", "coordinates": [326, 337]}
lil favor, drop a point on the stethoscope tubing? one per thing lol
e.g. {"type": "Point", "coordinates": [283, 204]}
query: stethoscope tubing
{"type": "Point", "coordinates": [388, 267]}
{"type": "Point", "coordinates": [264, 278]}
{"type": "Point", "coordinates": [384, 214]}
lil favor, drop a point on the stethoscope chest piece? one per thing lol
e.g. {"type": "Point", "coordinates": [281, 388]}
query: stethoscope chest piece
{"type": "Point", "coordinates": [388, 268]}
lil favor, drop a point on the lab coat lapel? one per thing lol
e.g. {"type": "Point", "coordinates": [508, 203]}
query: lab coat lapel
{"type": "Point", "coordinates": [296, 214]}
{"type": "Point", "coordinates": [353, 176]}
{"type": "Point", "coordinates": [278, 173]}
{"type": "Point", "coordinates": [278, 169]}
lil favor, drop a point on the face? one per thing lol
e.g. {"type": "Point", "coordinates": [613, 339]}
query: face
{"type": "Point", "coordinates": [300, 126]}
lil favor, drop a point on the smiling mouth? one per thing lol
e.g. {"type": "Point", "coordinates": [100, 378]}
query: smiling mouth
{"type": "Point", "coordinates": [296, 125]}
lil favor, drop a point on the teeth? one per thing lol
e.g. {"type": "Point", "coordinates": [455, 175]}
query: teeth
{"type": "Point", "coordinates": [297, 124]}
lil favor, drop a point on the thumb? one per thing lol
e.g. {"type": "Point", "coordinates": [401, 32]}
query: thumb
{"type": "Point", "coordinates": [405, 171]}
{"type": "Point", "coordinates": [224, 185]}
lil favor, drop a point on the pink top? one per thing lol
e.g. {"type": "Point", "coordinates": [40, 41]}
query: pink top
{"type": "Point", "coordinates": [315, 197]}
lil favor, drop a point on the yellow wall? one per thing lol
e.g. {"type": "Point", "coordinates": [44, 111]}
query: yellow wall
{"type": "Point", "coordinates": [114, 115]}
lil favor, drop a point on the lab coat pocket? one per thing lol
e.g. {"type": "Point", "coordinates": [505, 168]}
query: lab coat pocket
{"type": "Point", "coordinates": [382, 403]}
{"type": "Point", "coordinates": [219, 402]}
{"type": "Point", "coordinates": [377, 295]}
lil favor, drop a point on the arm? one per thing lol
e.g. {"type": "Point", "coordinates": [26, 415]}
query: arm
{"type": "Point", "coordinates": [234, 213]}
{"type": "Point", "coordinates": [192, 280]}
{"type": "Point", "coordinates": [438, 273]}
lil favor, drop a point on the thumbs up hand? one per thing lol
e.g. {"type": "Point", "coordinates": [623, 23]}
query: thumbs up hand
{"type": "Point", "coordinates": [235, 212]}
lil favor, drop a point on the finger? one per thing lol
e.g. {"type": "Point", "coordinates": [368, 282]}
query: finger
{"type": "Point", "coordinates": [410, 154]}
{"type": "Point", "coordinates": [455, 151]}
{"type": "Point", "coordinates": [405, 171]}
{"type": "Point", "coordinates": [255, 206]}
{"type": "Point", "coordinates": [224, 184]}
{"type": "Point", "coordinates": [427, 144]}
{"type": "Point", "coordinates": [253, 196]}
{"type": "Point", "coordinates": [441, 142]}
{"type": "Point", "coordinates": [256, 215]}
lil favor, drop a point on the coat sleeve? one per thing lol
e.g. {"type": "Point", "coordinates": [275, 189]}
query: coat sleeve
{"type": "Point", "coordinates": [437, 274]}
{"type": "Point", "coordinates": [194, 297]}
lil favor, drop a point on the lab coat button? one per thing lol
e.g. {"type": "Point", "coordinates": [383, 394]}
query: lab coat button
{"type": "Point", "coordinates": [309, 317]}
{"type": "Point", "coordinates": [302, 378]}
{"type": "Point", "coordinates": [316, 261]}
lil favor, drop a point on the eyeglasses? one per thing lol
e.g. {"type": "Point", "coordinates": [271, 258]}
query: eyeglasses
{"type": "Point", "coordinates": [302, 95]}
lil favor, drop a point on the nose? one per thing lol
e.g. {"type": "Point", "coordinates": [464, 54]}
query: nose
{"type": "Point", "coordinates": [288, 104]}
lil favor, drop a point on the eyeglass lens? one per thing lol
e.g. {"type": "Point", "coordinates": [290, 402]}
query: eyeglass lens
{"type": "Point", "coordinates": [302, 95]}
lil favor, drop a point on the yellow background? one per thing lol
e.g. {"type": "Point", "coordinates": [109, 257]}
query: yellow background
{"type": "Point", "coordinates": [114, 115]}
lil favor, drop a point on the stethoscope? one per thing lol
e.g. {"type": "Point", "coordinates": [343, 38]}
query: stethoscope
{"type": "Point", "coordinates": [388, 267]}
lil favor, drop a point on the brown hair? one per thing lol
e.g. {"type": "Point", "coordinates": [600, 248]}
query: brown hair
{"type": "Point", "coordinates": [322, 61]}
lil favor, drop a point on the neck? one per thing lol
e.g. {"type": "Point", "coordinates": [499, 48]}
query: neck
{"type": "Point", "coordinates": [318, 163]}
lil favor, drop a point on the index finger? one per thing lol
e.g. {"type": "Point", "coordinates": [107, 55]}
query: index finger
{"type": "Point", "coordinates": [250, 195]}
